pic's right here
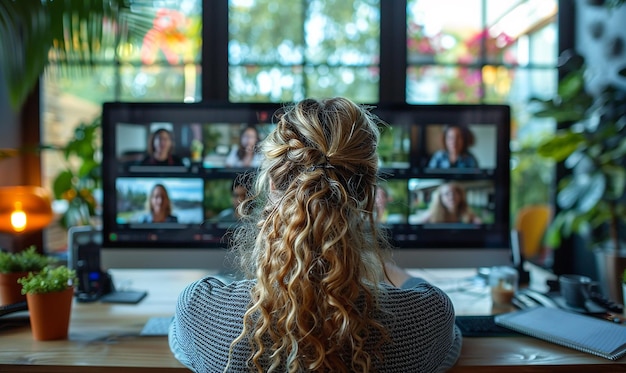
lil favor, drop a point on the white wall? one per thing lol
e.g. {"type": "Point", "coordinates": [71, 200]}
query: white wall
{"type": "Point", "coordinates": [601, 39]}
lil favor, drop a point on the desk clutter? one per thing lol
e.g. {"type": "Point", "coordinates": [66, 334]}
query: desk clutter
{"type": "Point", "coordinates": [571, 313]}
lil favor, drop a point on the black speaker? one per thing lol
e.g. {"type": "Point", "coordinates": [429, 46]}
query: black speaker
{"type": "Point", "coordinates": [84, 243]}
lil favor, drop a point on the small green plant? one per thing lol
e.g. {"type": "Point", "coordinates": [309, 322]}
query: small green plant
{"type": "Point", "coordinates": [28, 260]}
{"type": "Point", "coordinates": [48, 280]}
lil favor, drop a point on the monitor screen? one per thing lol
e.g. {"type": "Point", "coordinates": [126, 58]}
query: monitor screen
{"type": "Point", "coordinates": [174, 173]}
{"type": "Point", "coordinates": [445, 195]}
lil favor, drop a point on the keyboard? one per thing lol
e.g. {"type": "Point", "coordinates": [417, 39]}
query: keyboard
{"type": "Point", "coordinates": [156, 326]}
{"type": "Point", "coordinates": [481, 326]}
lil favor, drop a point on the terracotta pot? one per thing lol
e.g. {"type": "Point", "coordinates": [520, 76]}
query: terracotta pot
{"type": "Point", "coordinates": [10, 290]}
{"type": "Point", "coordinates": [50, 314]}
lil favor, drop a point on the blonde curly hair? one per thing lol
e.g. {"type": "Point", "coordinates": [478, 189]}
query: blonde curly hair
{"type": "Point", "coordinates": [312, 244]}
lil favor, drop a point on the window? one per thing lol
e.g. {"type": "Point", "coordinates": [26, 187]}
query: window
{"type": "Point", "coordinates": [491, 51]}
{"type": "Point", "coordinates": [303, 49]}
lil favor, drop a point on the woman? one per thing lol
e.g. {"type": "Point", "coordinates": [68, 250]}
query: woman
{"type": "Point", "coordinates": [245, 155]}
{"type": "Point", "coordinates": [449, 205]}
{"type": "Point", "coordinates": [456, 141]}
{"type": "Point", "coordinates": [161, 150]}
{"type": "Point", "coordinates": [316, 299]}
{"type": "Point", "coordinates": [160, 206]}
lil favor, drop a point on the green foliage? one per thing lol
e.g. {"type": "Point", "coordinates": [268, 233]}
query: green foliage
{"type": "Point", "coordinates": [614, 3]}
{"type": "Point", "coordinates": [591, 197]}
{"type": "Point", "coordinates": [48, 280]}
{"type": "Point", "coordinates": [531, 176]}
{"type": "Point", "coordinates": [259, 49]}
{"type": "Point", "coordinates": [74, 34]}
{"type": "Point", "coordinates": [82, 175]}
{"type": "Point", "coordinates": [28, 260]}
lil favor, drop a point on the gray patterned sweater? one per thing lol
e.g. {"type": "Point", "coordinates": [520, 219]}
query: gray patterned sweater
{"type": "Point", "coordinates": [420, 321]}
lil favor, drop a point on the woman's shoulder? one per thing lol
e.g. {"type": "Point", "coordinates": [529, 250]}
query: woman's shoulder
{"type": "Point", "coordinates": [216, 286]}
{"type": "Point", "coordinates": [144, 218]}
{"type": "Point", "coordinates": [214, 293]}
{"type": "Point", "coordinates": [419, 295]}
{"type": "Point", "coordinates": [218, 282]}
{"type": "Point", "coordinates": [440, 153]}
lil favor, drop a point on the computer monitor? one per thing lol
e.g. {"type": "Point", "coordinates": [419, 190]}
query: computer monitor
{"type": "Point", "coordinates": [197, 181]}
{"type": "Point", "coordinates": [419, 173]}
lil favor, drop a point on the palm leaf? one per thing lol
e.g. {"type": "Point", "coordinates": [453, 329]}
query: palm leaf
{"type": "Point", "coordinates": [72, 34]}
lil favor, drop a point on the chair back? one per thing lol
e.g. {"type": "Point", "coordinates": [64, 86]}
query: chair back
{"type": "Point", "coordinates": [531, 223]}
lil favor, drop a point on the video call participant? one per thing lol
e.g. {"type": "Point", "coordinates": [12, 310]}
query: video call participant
{"type": "Point", "coordinates": [245, 154]}
{"type": "Point", "coordinates": [161, 150]}
{"type": "Point", "coordinates": [160, 206]}
{"type": "Point", "coordinates": [239, 192]}
{"type": "Point", "coordinates": [449, 205]}
{"type": "Point", "coordinates": [456, 141]}
{"type": "Point", "coordinates": [380, 206]}
{"type": "Point", "coordinates": [311, 237]}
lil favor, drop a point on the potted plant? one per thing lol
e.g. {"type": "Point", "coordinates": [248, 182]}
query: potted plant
{"type": "Point", "coordinates": [80, 181]}
{"type": "Point", "coordinates": [590, 198]}
{"type": "Point", "coordinates": [49, 294]}
{"type": "Point", "coordinates": [14, 266]}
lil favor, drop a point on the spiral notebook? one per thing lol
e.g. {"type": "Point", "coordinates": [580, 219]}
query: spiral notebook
{"type": "Point", "coordinates": [573, 330]}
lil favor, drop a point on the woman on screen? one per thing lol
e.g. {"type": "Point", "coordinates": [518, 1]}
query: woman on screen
{"type": "Point", "coordinates": [160, 206]}
{"type": "Point", "coordinates": [449, 205]}
{"type": "Point", "coordinates": [245, 154]}
{"type": "Point", "coordinates": [319, 295]}
{"type": "Point", "coordinates": [161, 150]}
{"type": "Point", "coordinates": [456, 141]}
{"type": "Point", "coordinates": [382, 199]}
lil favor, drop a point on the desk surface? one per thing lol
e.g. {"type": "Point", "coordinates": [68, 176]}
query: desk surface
{"type": "Point", "coordinates": [105, 337]}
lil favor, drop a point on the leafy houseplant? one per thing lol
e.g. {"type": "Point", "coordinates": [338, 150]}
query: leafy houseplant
{"type": "Point", "coordinates": [49, 294]}
{"type": "Point", "coordinates": [82, 176]}
{"type": "Point", "coordinates": [35, 32]}
{"type": "Point", "coordinates": [16, 265]}
{"type": "Point", "coordinates": [48, 280]}
{"type": "Point", "coordinates": [28, 260]}
{"type": "Point", "coordinates": [593, 148]}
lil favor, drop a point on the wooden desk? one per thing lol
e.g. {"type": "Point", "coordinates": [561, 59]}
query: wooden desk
{"type": "Point", "coordinates": [105, 337]}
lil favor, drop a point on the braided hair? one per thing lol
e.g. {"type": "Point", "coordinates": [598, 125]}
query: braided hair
{"type": "Point", "coordinates": [310, 240]}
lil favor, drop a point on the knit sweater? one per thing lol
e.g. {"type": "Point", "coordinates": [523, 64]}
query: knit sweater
{"type": "Point", "coordinates": [419, 319]}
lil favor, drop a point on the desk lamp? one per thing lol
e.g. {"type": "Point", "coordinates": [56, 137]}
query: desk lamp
{"type": "Point", "coordinates": [24, 209]}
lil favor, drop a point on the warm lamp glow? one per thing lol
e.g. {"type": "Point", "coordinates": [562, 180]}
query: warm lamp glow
{"type": "Point", "coordinates": [18, 218]}
{"type": "Point", "coordinates": [24, 209]}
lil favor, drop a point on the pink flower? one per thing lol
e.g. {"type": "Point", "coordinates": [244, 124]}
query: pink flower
{"type": "Point", "coordinates": [167, 34]}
